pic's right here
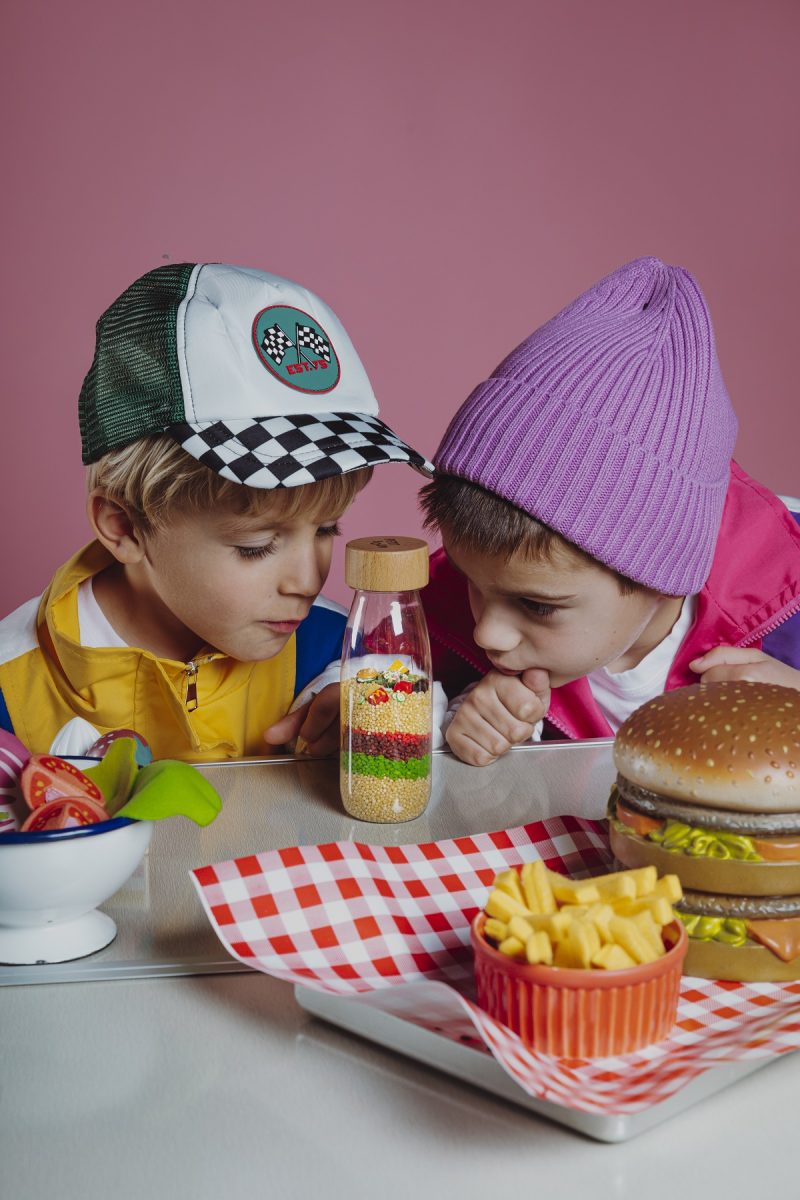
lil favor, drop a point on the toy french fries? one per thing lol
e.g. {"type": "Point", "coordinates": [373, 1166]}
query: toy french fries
{"type": "Point", "coordinates": [609, 923]}
{"type": "Point", "coordinates": [580, 968]}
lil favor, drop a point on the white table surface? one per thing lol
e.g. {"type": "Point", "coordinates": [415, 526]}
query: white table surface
{"type": "Point", "coordinates": [219, 1085]}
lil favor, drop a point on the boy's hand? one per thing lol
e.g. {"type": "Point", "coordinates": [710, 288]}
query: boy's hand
{"type": "Point", "coordinates": [727, 663]}
{"type": "Point", "coordinates": [316, 724]}
{"type": "Point", "coordinates": [497, 714]}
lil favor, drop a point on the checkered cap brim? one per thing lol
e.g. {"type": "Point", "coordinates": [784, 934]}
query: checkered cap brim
{"type": "Point", "coordinates": [287, 451]}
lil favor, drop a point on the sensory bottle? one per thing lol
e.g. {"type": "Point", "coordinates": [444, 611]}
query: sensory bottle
{"type": "Point", "coordinates": [386, 697]}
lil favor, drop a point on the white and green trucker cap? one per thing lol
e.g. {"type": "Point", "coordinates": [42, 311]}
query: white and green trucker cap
{"type": "Point", "coordinates": [252, 374]}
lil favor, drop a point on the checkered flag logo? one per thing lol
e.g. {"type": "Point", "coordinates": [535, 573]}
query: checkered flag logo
{"type": "Point", "coordinates": [320, 346]}
{"type": "Point", "coordinates": [275, 343]}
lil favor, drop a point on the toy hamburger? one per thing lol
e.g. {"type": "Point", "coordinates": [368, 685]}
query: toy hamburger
{"type": "Point", "coordinates": [708, 788]}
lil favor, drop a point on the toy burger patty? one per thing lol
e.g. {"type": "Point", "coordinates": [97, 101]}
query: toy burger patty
{"type": "Point", "coordinates": [709, 788]}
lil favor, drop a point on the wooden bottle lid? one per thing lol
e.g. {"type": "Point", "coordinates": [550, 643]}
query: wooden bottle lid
{"type": "Point", "coordinates": [386, 564]}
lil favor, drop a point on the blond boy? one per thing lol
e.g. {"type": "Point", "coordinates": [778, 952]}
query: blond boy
{"type": "Point", "coordinates": [227, 424]}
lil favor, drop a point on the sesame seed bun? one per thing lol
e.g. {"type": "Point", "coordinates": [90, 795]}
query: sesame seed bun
{"type": "Point", "coordinates": [720, 745]}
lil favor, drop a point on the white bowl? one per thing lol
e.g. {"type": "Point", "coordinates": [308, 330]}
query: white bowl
{"type": "Point", "coordinates": [51, 883]}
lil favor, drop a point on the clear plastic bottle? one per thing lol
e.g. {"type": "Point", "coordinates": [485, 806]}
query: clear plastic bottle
{"type": "Point", "coordinates": [387, 698]}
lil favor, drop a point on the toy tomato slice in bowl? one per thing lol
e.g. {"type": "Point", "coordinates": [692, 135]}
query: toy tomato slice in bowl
{"type": "Point", "coordinates": [46, 777]}
{"type": "Point", "coordinates": [66, 812]}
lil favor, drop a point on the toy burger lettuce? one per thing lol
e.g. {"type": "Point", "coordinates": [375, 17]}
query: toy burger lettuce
{"type": "Point", "coordinates": [708, 788]}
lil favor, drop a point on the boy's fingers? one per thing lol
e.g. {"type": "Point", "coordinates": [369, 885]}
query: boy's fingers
{"type": "Point", "coordinates": [520, 702]}
{"type": "Point", "coordinates": [487, 733]}
{"type": "Point", "coordinates": [467, 748]}
{"type": "Point", "coordinates": [323, 712]}
{"type": "Point", "coordinates": [728, 674]}
{"type": "Point", "coordinates": [287, 728]}
{"type": "Point", "coordinates": [763, 669]}
{"type": "Point", "coordinates": [488, 711]}
{"type": "Point", "coordinates": [721, 656]}
{"type": "Point", "coordinates": [325, 745]}
{"type": "Point", "coordinates": [537, 681]}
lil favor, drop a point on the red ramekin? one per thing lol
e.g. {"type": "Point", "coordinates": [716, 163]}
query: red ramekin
{"type": "Point", "coordinates": [574, 1013]}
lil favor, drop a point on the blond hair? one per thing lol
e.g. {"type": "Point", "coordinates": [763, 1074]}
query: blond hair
{"type": "Point", "coordinates": [154, 478]}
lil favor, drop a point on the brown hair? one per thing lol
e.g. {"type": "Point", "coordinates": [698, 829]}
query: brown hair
{"type": "Point", "coordinates": [485, 523]}
{"type": "Point", "coordinates": [154, 477]}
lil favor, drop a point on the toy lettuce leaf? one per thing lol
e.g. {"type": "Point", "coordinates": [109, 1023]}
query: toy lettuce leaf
{"type": "Point", "coordinates": [171, 789]}
{"type": "Point", "coordinates": [115, 774]}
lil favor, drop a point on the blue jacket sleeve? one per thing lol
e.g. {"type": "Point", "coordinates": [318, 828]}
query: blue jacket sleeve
{"type": "Point", "coordinates": [318, 642]}
{"type": "Point", "coordinates": [5, 716]}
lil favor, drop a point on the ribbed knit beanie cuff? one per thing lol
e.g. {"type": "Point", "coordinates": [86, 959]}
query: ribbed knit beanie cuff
{"type": "Point", "coordinates": [611, 424]}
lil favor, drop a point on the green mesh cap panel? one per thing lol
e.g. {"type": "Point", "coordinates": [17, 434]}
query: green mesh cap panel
{"type": "Point", "coordinates": [133, 387]}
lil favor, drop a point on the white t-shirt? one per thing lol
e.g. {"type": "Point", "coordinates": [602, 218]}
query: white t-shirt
{"type": "Point", "coordinates": [94, 627]}
{"type": "Point", "coordinates": [618, 695]}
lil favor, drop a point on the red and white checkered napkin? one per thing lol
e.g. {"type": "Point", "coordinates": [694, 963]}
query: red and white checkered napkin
{"type": "Point", "coordinates": [353, 918]}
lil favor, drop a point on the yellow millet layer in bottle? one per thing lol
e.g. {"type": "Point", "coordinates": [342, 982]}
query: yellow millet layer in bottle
{"type": "Point", "coordinates": [411, 715]}
{"type": "Point", "coordinates": [384, 800]}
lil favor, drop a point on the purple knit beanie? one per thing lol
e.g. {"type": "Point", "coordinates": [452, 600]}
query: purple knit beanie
{"type": "Point", "coordinates": [612, 425]}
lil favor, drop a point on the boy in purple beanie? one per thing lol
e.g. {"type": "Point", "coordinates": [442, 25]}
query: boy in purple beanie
{"type": "Point", "coordinates": [600, 546]}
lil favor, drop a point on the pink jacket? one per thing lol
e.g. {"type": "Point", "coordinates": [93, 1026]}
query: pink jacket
{"type": "Point", "coordinates": [750, 596]}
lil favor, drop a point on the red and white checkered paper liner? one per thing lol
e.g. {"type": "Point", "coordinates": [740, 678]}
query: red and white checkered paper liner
{"type": "Point", "coordinates": [352, 918]}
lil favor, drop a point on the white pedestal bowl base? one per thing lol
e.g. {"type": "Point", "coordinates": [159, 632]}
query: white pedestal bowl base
{"type": "Point", "coordinates": [58, 942]}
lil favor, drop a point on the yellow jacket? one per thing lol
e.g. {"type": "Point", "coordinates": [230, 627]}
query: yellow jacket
{"type": "Point", "coordinates": [47, 678]}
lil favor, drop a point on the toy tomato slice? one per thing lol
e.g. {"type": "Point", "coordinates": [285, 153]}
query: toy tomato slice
{"type": "Point", "coordinates": [67, 812]}
{"type": "Point", "coordinates": [45, 777]}
{"type": "Point", "coordinates": [638, 822]}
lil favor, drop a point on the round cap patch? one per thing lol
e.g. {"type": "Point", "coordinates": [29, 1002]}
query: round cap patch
{"type": "Point", "coordinates": [295, 348]}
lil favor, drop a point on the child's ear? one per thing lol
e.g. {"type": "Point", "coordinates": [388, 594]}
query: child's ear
{"type": "Point", "coordinates": [115, 528]}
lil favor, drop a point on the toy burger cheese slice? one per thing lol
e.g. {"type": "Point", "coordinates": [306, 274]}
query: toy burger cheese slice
{"type": "Point", "coordinates": [709, 788]}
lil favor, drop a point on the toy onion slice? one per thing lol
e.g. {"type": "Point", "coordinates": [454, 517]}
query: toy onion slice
{"type": "Point", "coordinates": [13, 756]}
{"type": "Point", "coordinates": [100, 748]}
{"type": "Point", "coordinates": [116, 773]}
{"type": "Point", "coordinates": [171, 789]}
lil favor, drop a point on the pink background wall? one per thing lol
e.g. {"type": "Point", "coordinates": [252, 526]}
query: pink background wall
{"type": "Point", "coordinates": [476, 162]}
